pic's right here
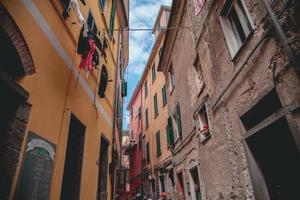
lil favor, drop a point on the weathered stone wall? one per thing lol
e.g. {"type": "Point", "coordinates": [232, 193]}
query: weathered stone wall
{"type": "Point", "coordinates": [223, 165]}
{"type": "Point", "coordinates": [10, 150]}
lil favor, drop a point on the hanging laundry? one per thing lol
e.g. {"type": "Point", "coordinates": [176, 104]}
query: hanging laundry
{"type": "Point", "coordinates": [76, 8]}
{"type": "Point", "coordinates": [95, 59]}
{"type": "Point", "coordinates": [83, 2]}
{"type": "Point", "coordinates": [103, 82]}
{"type": "Point", "coordinates": [86, 60]}
{"type": "Point", "coordinates": [83, 42]}
{"type": "Point", "coordinates": [97, 41]}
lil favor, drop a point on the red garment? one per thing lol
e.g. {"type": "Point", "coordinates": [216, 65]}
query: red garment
{"type": "Point", "coordinates": [86, 60]}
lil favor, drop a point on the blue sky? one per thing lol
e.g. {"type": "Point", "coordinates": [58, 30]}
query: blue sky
{"type": "Point", "coordinates": [142, 15]}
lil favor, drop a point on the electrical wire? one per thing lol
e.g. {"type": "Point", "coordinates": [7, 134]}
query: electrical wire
{"type": "Point", "coordinates": [155, 29]}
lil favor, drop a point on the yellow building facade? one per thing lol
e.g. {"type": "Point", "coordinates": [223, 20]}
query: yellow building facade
{"type": "Point", "coordinates": [156, 151]}
{"type": "Point", "coordinates": [57, 128]}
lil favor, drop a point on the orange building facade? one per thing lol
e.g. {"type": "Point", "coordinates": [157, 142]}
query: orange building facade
{"type": "Point", "coordinates": [59, 133]}
{"type": "Point", "coordinates": [150, 93]}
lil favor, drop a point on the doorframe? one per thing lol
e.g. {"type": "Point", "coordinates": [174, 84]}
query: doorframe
{"type": "Point", "coordinates": [258, 183]}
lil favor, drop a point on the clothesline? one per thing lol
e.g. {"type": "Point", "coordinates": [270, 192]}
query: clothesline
{"type": "Point", "coordinates": [151, 29]}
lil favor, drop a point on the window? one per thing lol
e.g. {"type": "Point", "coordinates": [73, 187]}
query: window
{"type": "Point", "coordinates": [195, 184]}
{"type": "Point", "coordinates": [202, 124]}
{"type": "Point", "coordinates": [153, 73]}
{"type": "Point", "coordinates": [198, 6]}
{"type": "Point", "coordinates": [91, 23]}
{"type": "Point", "coordinates": [103, 169]}
{"type": "Point", "coordinates": [146, 89]}
{"type": "Point", "coordinates": [160, 52]}
{"type": "Point", "coordinates": [177, 117]}
{"type": "Point", "coordinates": [169, 132]}
{"type": "Point", "coordinates": [140, 140]}
{"type": "Point", "coordinates": [103, 4]}
{"type": "Point", "coordinates": [147, 118]}
{"type": "Point", "coordinates": [261, 110]}
{"type": "Point", "coordinates": [162, 183]}
{"type": "Point", "coordinates": [158, 148]}
{"type": "Point", "coordinates": [148, 152]}
{"type": "Point", "coordinates": [131, 113]}
{"type": "Point", "coordinates": [199, 79]}
{"type": "Point", "coordinates": [236, 24]}
{"type": "Point", "coordinates": [171, 78]}
{"type": "Point", "coordinates": [155, 105]}
{"type": "Point", "coordinates": [112, 18]}
{"type": "Point", "coordinates": [124, 88]}
{"type": "Point", "coordinates": [181, 185]}
{"type": "Point", "coordinates": [139, 112]}
{"type": "Point", "coordinates": [73, 161]}
{"type": "Point", "coordinates": [66, 7]}
{"type": "Point", "coordinates": [164, 94]}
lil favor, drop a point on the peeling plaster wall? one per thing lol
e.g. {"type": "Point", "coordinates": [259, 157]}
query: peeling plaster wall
{"type": "Point", "coordinates": [222, 161]}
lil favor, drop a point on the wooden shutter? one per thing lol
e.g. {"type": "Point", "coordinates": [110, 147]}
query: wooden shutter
{"type": "Point", "coordinates": [168, 136]}
{"type": "Point", "coordinates": [153, 73]}
{"type": "Point", "coordinates": [155, 104]}
{"type": "Point", "coordinates": [103, 82]}
{"type": "Point", "coordinates": [164, 94]}
{"type": "Point", "coordinates": [171, 133]}
{"type": "Point", "coordinates": [158, 149]}
{"type": "Point", "coordinates": [124, 89]}
{"type": "Point", "coordinates": [148, 152]}
{"type": "Point", "coordinates": [147, 119]}
{"type": "Point", "coordinates": [178, 119]}
{"type": "Point", "coordinates": [112, 17]}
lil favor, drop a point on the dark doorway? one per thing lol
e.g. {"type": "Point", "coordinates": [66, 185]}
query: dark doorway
{"type": "Point", "coordinates": [180, 186]}
{"type": "Point", "coordinates": [196, 182]}
{"type": "Point", "coordinates": [9, 57]}
{"type": "Point", "coordinates": [73, 161]}
{"type": "Point", "coordinates": [14, 111]}
{"type": "Point", "coordinates": [278, 159]}
{"type": "Point", "coordinates": [103, 164]}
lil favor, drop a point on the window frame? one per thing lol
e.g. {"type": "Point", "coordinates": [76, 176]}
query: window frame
{"type": "Point", "coordinates": [112, 18]}
{"type": "Point", "coordinates": [148, 152]}
{"type": "Point", "coordinates": [146, 89]}
{"type": "Point", "coordinates": [147, 118]}
{"type": "Point", "coordinates": [164, 95]}
{"type": "Point", "coordinates": [103, 6]}
{"type": "Point", "coordinates": [201, 119]}
{"type": "Point", "coordinates": [153, 72]}
{"type": "Point", "coordinates": [93, 25]}
{"type": "Point", "coordinates": [232, 37]}
{"type": "Point", "coordinates": [155, 104]}
{"type": "Point", "coordinates": [171, 79]}
{"type": "Point", "coordinates": [158, 143]}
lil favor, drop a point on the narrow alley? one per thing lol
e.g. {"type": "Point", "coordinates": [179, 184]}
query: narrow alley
{"type": "Point", "coordinates": [150, 99]}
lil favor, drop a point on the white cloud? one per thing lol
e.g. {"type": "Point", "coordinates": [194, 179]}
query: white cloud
{"type": "Point", "coordinates": [142, 15]}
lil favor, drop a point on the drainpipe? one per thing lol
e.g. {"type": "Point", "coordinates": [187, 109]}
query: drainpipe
{"type": "Point", "coordinates": [114, 121]}
{"type": "Point", "coordinates": [282, 36]}
{"type": "Point", "coordinates": [142, 152]}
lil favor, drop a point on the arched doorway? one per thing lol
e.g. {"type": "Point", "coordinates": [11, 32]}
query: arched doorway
{"type": "Point", "coordinates": [15, 63]}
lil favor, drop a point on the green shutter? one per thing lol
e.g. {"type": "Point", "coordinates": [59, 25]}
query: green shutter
{"type": "Point", "coordinates": [158, 149]}
{"type": "Point", "coordinates": [112, 17]}
{"type": "Point", "coordinates": [146, 89]}
{"type": "Point", "coordinates": [171, 133]}
{"type": "Point", "coordinates": [153, 73]}
{"type": "Point", "coordinates": [179, 120]}
{"type": "Point", "coordinates": [103, 3]}
{"type": "Point", "coordinates": [148, 152]}
{"type": "Point", "coordinates": [164, 94]}
{"type": "Point", "coordinates": [124, 89]}
{"type": "Point", "coordinates": [155, 104]}
{"type": "Point", "coordinates": [147, 120]}
{"type": "Point", "coordinates": [168, 135]}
